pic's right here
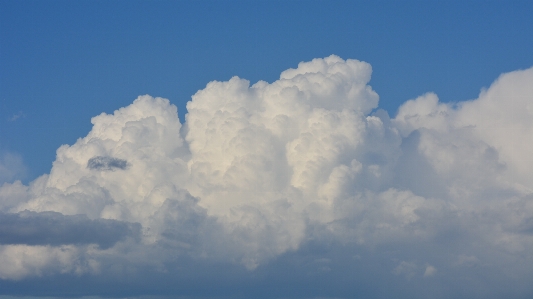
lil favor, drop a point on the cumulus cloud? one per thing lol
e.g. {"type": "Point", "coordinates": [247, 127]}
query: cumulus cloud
{"type": "Point", "coordinates": [20, 261]}
{"type": "Point", "coordinates": [291, 171]}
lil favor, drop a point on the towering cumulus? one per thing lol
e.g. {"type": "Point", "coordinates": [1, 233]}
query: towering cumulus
{"type": "Point", "coordinates": [257, 172]}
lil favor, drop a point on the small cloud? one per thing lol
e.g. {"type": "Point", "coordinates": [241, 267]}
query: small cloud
{"type": "Point", "coordinates": [430, 270]}
{"type": "Point", "coordinates": [14, 117]}
{"type": "Point", "coordinates": [107, 163]}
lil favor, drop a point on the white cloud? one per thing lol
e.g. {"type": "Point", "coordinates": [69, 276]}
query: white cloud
{"type": "Point", "coordinates": [430, 271]}
{"type": "Point", "coordinates": [14, 117]}
{"type": "Point", "coordinates": [19, 261]}
{"type": "Point", "coordinates": [258, 172]}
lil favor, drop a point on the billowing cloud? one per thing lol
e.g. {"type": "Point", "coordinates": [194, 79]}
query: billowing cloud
{"type": "Point", "coordinates": [303, 175]}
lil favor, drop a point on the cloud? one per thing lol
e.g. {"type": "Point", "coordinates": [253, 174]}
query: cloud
{"type": "Point", "coordinates": [19, 261]}
{"type": "Point", "coordinates": [106, 163]}
{"type": "Point", "coordinates": [14, 117]}
{"type": "Point", "coordinates": [52, 228]}
{"type": "Point", "coordinates": [430, 271]}
{"type": "Point", "coordinates": [291, 179]}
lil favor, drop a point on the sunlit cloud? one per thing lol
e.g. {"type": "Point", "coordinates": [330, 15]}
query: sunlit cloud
{"type": "Point", "coordinates": [259, 172]}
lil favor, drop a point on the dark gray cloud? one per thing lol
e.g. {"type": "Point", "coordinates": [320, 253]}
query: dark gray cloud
{"type": "Point", "coordinates": [52, 228]}
{"type": "Point", "coordinates": [107, 163]}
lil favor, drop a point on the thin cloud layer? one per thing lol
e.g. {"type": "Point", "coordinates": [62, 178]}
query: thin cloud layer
{"type": "Point", "coordinates": [302, 174]}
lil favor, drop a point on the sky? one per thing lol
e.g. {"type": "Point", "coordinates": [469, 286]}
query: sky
{"type": "Point", "coordinates": [266, 149]}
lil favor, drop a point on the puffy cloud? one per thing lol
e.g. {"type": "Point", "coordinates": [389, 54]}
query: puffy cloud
{"type": "Point", "coordinates": [303, 171]}
{"type": "Point", "coordinates": [19, 261]}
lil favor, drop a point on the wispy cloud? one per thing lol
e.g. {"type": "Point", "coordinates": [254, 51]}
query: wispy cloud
{"type": "Point", "coordinates": [16, 116]}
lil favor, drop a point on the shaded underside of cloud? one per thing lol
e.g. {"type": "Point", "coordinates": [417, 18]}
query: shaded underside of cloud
{"type": "Point", "coordinates": [52, 228]}
{"type": "Point", "coordinates": [296, 183]}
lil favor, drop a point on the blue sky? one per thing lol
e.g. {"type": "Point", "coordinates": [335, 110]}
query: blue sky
{"type": "Point", "coordinates": [65, 62]}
